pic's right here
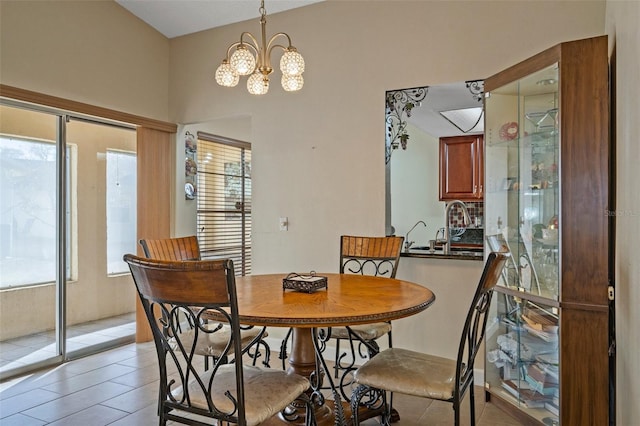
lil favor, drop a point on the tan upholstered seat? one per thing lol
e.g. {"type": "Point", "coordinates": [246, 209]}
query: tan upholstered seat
{"type": "Point", "coordinates": [402, 370]}
{"type": "Point", "coordinates": [363, 331]}
{"type": "Point", "coordinates": [226, 392]}
{"type": "Point", "coordinates": [429, 376]}
{"type": "Point", "coordinates": [261, 400]}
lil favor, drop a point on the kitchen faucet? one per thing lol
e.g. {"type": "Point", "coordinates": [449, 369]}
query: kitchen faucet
{"type": "Point", "coordinates": [446, 248]}
{"type": "Point", "coordinates": [407, 243]}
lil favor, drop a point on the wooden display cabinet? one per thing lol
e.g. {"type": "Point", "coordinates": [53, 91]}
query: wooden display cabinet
{"type": "Point", "coordinates": [547, 184]}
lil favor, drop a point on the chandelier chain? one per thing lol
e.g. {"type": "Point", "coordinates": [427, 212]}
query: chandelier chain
{"type": "Point", "coordinates": [263, 11]}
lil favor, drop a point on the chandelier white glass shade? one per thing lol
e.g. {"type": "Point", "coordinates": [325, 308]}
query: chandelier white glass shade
{"type": "Point", "coordinates": [254, 59]}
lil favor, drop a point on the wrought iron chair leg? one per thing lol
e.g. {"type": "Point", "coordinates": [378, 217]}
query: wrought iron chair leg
{"type": "Point", "coordinates": [336, 365]}
{"type": "Point", "coordinates": [283, 348]}
{"type": "Point", "coordinates": [394, 416]}
{"type": "Point", "coordinates": [472, 405]}
{"type": "Point", "coordinates": [456, 413]}
{"type": "Point", "coordinates": [376, 399]}
{"type": "Point", "coordinates": [310, 418]}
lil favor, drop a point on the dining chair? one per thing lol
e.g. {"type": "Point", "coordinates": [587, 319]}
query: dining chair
{"type": "Point", "coordinates": [376, 256]}
{"type": "Point", "coordinates": [246, 395]}
{"type": "Point", "coordinates": [429, 376]}
{"type": "Point", "coordinates": [209, 345]}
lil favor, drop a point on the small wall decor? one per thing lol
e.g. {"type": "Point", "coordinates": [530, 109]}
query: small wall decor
{"type": "Point", "coordinates": [191, 166]}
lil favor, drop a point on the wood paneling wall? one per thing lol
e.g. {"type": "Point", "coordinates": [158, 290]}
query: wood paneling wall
{"type": "Point", "coordinates": [155, 180]}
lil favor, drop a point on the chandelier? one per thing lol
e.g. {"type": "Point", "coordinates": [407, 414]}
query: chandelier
{"type": "Point", "coordinates": [254, 59]}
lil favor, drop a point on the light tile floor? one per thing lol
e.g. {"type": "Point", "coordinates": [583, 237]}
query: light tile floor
{"type": "Point", "coordinates": [119, 387]}
{"type": "Point", "coordinates": [15, 353]}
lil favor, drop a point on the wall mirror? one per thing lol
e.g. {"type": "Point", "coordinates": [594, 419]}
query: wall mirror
{"type": "Point", "coordinates": [416, 119]}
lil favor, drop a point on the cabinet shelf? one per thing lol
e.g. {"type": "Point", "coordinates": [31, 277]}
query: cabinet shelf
{"type": "Point", "coordinates": [534, 298]}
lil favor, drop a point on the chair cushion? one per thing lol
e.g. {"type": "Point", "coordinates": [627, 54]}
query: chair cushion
{"type": "Point", "coordinates": [212, 344]}
{"type": "Point", "coordinates": [266, 391]}
{"type": "Point", "coordinates": [411, 373]}
{"type": "Point", "coordinates": [364, 331]}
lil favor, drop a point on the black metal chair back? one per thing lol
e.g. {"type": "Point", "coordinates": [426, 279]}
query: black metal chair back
{"type": "Point", "coordinates": [377, 256]}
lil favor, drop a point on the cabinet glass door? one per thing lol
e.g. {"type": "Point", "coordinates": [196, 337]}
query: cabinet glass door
{"type": "Point", "coordinates": [522, 202]}
{"type": "Point", "coordinates": [522, 180]}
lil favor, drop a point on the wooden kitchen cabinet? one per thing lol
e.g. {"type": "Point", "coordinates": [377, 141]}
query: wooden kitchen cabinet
{"type": "Point", "coordinates": [461, 168]}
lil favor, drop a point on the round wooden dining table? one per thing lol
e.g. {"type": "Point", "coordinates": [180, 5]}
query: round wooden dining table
{"type": "Point", "coordinates": [347, 300]}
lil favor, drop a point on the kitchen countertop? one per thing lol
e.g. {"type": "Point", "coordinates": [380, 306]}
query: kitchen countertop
{"type": "Point", "coordinates": [438, 254]}
{"type": "Point", "coordinates": [469, 246]}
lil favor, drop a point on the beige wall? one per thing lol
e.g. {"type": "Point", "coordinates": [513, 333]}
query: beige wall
{"type": "Point", "coordinates": [88, 51]}
{"type": "Point", "coordinates": [624, 33]}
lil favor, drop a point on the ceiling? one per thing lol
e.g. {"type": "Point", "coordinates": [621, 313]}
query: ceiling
{"type": "Point", "coordinates": [175, 18]}
{"type": "Point", "coordinates": [442, 97]}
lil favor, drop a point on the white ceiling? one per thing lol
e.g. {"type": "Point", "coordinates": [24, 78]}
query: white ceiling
{"type": "Point", "coordinates": [175, 18]}
{"type": "Point", "coordinates": [442, 98]}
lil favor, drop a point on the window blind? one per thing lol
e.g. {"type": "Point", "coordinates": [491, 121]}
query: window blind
{"type": "Point", "coordinates": [224, 200]}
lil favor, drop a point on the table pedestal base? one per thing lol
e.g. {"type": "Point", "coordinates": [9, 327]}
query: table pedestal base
{"type": "Point", "coordinates": [324, 416]}
{"type": "Point", "coordinates": [302, 361]}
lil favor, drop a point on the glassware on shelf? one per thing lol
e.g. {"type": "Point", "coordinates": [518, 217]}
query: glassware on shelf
{"type": "Point", "coordinates": [544, 120]}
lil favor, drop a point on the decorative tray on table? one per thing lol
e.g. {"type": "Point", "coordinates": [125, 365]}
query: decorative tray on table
{"type": "Point", "coordinates": [307, 283]}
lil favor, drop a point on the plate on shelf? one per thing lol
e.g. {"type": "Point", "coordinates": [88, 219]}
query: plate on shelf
{"type": "Point", "coordinates": [508, 131]}
{"type": "Point", "coordinates": [189, 191]}
{"type": "Point", "coordinates": [190, 167]}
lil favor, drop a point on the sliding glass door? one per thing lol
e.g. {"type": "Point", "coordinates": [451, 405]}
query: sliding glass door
{"type": "Point", "coordinates": [100, 305]}
{"type": "Point", "coordinates": [28, 239]}
{"type": "Point", "coordinates": [67, 215]}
